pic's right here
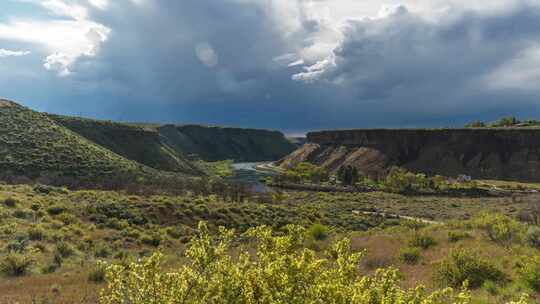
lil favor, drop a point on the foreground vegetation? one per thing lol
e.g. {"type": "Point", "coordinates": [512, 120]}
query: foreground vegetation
{"type": "Point", "coordinates": [55, 243]}
{"type": "Point", "coordinates": [279, 272]}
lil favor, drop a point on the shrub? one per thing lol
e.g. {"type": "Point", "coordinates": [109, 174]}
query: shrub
{"type": "Point", "coordinates": [491, 287]}
{"type": "Point", "coordinates": [175, 232]}
{"type": "Point", "coordinates": [16, 264]}
{"type": "Point", "coordinates": [64, 249]}
{"type": "Point", "coordinates": [455, 236]}
{"type": "Point", "coordinates": [400, 180]}
{"type": "Point", "coordinates": [36, 233]}
{"type": "Point", "coordinates": [102, 251]}
{"type": "Point", "coordinates": [58, 260]}
{"type": "Point", "coordinates": [410, 255]}
{"type": "Point", "coordinates": [299, 275]}
{"type": "Point", "coordinates": [67, 218]}
{"type": "Point", "coordinates": [318, 232]}
{"type": "Point", "coordinates": [500, 228]}
{"type": "Point", "coordinates": [19, 244]}
{"type": "Point", "coordinates": [532, 236]}
{"type": "Point", "coordinates": [22, 214]}
{"type": "Point", "coordinates": [421, 240]}
{"type": "Point", "coordinates": [10, 202]}
{"type": "Point", "coordinates": [305, 172]}
{"type": "Point", "coordinates": [55, 210]}
{"type": "Point", "coordinates": [529, 272]}
{"type": "Point", "coordinates": [151, 240]}
{"type": "Point", "coordinates": [49, 268]}
{"type": "Point", "coordinates": [97, 273]}
{"type": "Point", "coordinates": [462, 265]}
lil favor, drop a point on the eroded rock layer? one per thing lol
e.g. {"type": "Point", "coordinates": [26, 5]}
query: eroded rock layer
{"type": "Point", "coordinates": [512, 154]}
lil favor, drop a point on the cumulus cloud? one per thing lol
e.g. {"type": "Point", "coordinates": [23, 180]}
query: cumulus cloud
{"type": "Point", "coordinates": [289, 64]}
{"type": "Point", "coordinates": [519, 73]}
{"type": "Point", "coordinates": [69, 33]}
{"type": "Point", "coordinates": [101, 4]}
{"type": "Point", "coordinates": [9, 53]}
{"type": "Point", "coordinates": [407, 61]}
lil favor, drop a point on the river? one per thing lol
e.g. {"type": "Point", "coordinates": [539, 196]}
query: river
{"type": "Point", "coordinates": [249, 174]}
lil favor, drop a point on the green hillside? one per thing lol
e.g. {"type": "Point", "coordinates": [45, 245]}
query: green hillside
{"type": "Point", "coordinates": [219, 143]}
{"type": "Point", "coordinates": [142, 144]}
{"type": "Point", "coordinates": [32, 145]}
{"type": "Point", "coordinates": [172, 148]}
{"type": "Point", "coordinates": [78, 151]}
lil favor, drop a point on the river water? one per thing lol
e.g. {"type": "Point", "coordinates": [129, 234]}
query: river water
{"type": "Point", "coordinates": [248, 173]}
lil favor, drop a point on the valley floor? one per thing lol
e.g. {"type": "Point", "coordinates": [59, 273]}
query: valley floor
{"type": "Point", "coordinates": [64, 233]}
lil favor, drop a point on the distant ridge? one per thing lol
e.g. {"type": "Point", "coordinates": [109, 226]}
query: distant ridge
{"type": "Point", "coordinates": [484, 153]}
{"type": "Point", "coordinates": [174, 147]}
{"type": "Point", "coordinates": [212, 143]}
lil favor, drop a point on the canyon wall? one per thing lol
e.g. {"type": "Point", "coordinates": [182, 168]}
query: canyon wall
{"type": "Point", "coordinates": [511, 154]}
{"type": "Point", "coordinates": [212, 143]}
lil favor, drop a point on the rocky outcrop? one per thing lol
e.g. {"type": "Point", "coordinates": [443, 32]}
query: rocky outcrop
{"type": "Point", "coordinates": [512, 154]}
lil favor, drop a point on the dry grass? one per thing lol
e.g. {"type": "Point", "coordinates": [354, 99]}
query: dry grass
{"type": "Point", "coordinates": [60, 288]}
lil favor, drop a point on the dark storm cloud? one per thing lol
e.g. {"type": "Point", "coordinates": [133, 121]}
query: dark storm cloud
{"type": "Point", "coordinates": [226, 62]}
{"type": "Point", "coordinates": [155, 58]}
{"type": "Point", "coordinates": [412, 68]}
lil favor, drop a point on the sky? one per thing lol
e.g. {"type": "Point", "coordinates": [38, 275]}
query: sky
{"type": "Point", "coordinates": [292, 65]}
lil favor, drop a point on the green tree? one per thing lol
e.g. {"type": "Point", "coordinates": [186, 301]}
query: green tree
{"type": "Point", "coordinates": [341, 174]}
{"type": "Point", "coordinates": [505, 122]}
{"type": "Point", "coordinates": [354, 176]}
{"type": "Point", "coordinates": [348, 175]}
{"type": "Point", "coordinates": [306, 172]}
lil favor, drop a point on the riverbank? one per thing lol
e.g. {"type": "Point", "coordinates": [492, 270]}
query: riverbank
{"type": "Point", "coordinates": [269, 167]}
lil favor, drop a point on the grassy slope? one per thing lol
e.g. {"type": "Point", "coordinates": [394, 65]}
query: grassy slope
{"type": "Point", "coordinates": [218, 143]}
{"type": "Point", "coordinates": [138, 143]}
{"type": "Point", "coordinates": [165, 147]}
{"type": "Point", "coordinates": [113, 226]}
{"type": "Point", "coordinates": [33, 144]}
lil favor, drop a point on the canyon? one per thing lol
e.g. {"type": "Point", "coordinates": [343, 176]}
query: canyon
{"type": "Point", "coordinates": [495, 153]}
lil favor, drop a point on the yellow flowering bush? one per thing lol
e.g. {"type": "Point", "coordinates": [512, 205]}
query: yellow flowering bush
{"type": "Point", "coordinates": [500, 228]}
{"type": "Point", "coordinates": [279, 271]}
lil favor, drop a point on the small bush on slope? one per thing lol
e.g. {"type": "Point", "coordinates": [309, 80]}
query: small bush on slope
{"type": "Point", "coordinates": [500, 228]}
{"type": "Point", "coordinates": [421, 240]}
{"type": "Point", "coordinates": [532, 237]}
{"type": "Point", "coordinates": [529, 272]}
{"type": "Point", "coordinates": [410, 255]}
{"type": "Point", "coordinates": [318, 232]}
{"type": "Point", "coordinates": [16, 264]}
{"type": "Point", "coordinates": [280, 273]}
{"type": "Point", "coordinates": [465, 266]}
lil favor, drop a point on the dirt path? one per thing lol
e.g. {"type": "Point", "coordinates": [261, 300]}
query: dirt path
{"type": "Point", "coordinates": [397, 216]}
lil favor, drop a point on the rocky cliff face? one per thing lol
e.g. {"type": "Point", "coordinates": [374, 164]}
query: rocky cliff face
{"type": "Point", "coordinates": [512, 154]}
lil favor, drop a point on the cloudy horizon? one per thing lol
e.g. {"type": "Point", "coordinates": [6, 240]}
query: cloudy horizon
{"type": "Point", "coordinates": [292, 65]}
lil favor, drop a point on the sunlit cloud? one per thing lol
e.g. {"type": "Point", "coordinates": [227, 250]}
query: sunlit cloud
{"type": "Point", "coordinates": [10, 53]}
{"type": "Point", "coordinates": [66, 40]}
